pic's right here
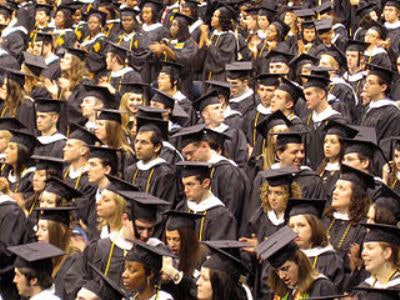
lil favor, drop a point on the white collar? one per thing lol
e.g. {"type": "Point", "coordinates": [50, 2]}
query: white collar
{"type": "Point", "coordinates": [375, 51]}
{"type": "Point", "coordinates": [175, 5]}
{"type": "Point", "coordinates": [51, 58]}
{"type": "Point", "coordinates": [317, 251]}
{"type": "Point", "coordinates": [264, 110]}
{"type": "Point", "coordinates": [98, 194]}
{"type": "Point", "coordinates": [277, 165]}
{"type": "Point", "coordinates": [217, 32]}
{"type": "Point", "coordinates": [340, 80]}
{"type": "Point", "coordinates": [8, 30]}
{"type": "Point", "coordinates": [3, 52]}
{"type": "Point", "coordinates": [221, 128]}
{"type": "Point", "coordinates": [374, 283]}
{"type": "Point", "coordinates": [104, 232]}
{"type": "Point", "coordinates": [47, 294]}
{"type": "Point", "coordinates": [154, 242]}
{"type": "Point", "coordinates": [161, 295]}
{"type": "Point", "coordinates": [274, 218]}
{"type": "Point", "coordinates": [120, 72]}
{"type": "Point", "coordinates": [99, 35]}
{"type": "Point", "coordinates": [231, 112]}
{"type": "Point", "coordinates": [337, 25]}
{"type": "Point", "coordinates": [216, 158]}
{"type": "Point", "coordinates": [178, 96]}
{"type": "Point", "coordinates": [204, 205]}
{"type": "Point", "coordinates": [394, 25]}
{"type": "Point", "coordinates": [243, 96]}
{"type": "Point", "coordinates": [261, 34]}
{"type": "Point", "coordinates": [128, 37]}
{"type": "Point", "coordinates": [5, 198]}
{"type": "Point", "coordinates": [62, 31]}
{"type": "Point", "coordinates": [113, 21]}
{"type": "Point", "coordinates": [398, 174]}
{"type": "Point", "coordinates": [195, 25]}
{"type": "Point", "coordinates": [341, 216]}
{"type": "Point", "coordinates": [144, 167]}
{"type": "Point", "coordinates": [380, 103]}
{"type": "Point", "coordinates": [119, 241]}
{"type": "Point", "coordinates": [151, 27]}
{"type": "Point", "coordinates": [91, 126]}
{"type": "Point", "coordinates": [355, 77]}
{"type": "Point", "coordinates": [48, 139]}
{"type": "Point", "coordinates": [322, 116]}
{"type": "Point", "coordinates": [332, 166]}
{"type": "Point", "coordinates": [76, 173]}
{"type": "Point", "coordinates": [168, 145]}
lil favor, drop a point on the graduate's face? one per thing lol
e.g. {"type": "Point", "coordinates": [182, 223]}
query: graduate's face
{"type": "Point", "coordinates": [134, 276]}
{"type": "Point", "coordinates": [59, 19]}
{"type": "Point", "coordinates": [66, 62]}
{"type": "Point", "coordinates": [11, 153]}
{"type": "Point", "coordinates": [263, 22]}
{"type": "Point", "coordinates": [25, 289]}
{"type": "Point", "coordinates": [45, 121]}
{"type": "Point", "coordinates": [313, 97]}
{"type": "Point", "coordinates": [147, 15]}
{"type": "Point", "coordinates": [309, 34]}
{"type": "Point", "coordinates": [128, 23]}
{"type": "Point", "coordinates": [94, 24]}
{"type": "Point", "coordinates": [272, 33]}
{"type": "Point", "coordinates": [164, 81]}
{"type": "Point", "coordinates": [85, 294]}
{"type": "Point", "coordinates": [5, 137]}
{"type": "Point", "coordinates": [331, 146]}
{"type": "Point", "coordinates": [41, 17]}
{"type": "Point", "coordinates": [278, 68]}
{"type": "Point", "coordinates": [373, 88]}
{"type": "Point", "coordinates": [279, 101]}
{"type": "Point", "coordinates": [96, 170]}
{"type": "Point", "coordinates": [251, 22]}
{"type": "Point", "coordinates": [173, 240]}
{"type": "Point", "coordinates": [88, 106]}
{"type": "Point", "coordinates": [215, 19]}
{"type": "Point", "coordinates": [77, 16]}
{"type": "Point", "coordinates": [4, 20]}
{"type": "Point", "coordinates": [73, 150]}
{"type": "Point", "coordinates": [144, 148]}
{"type": "Point", "coordinates": [39, 180]}
{"type": "Point", "coordinates": [353, 160]}
{"type": "Point", "coordinates": [193, 152]}
{"type": "Point", "coordinates": [293, 155]}
{"type": "Point", "coordinates": [213, 114]}
{"type": "Point", "coordinates": [111, 60]}
{"type": "Point", "coordinates": [237, 86]}
{"type": "Point", "coordinates": [341, 197]}
{"type": "Point", "coordinates": [375, 256]}
{"type": "Point", "coordinates": [396, 157]}
{"type": "Point", "coordinates": [174, 29]}
{"type": "Point", "coordinates": [391, 13]}
{"type": "Point", "coordinates": [133, 101]}
{"type": "Point", "coordinates": [303, 230]}
{"type": "Point", "coordinates": [288, 273]}
{"type": "Point", "coordinates": [3, 90]}
{"type": "Point", "coordinates": [265, 92]}
{"type": "Point", "coordinates": [204, 287]}
{"type": "Point", "coordinates": [371, 214]}
{"type": "Point", "coordinates": [352, 58]}
{"type": "Point", "coordinates": [277, 198]}
{"type": "Point", "coordinates": [194, 189]}
{"type": "Point", "coordinates": [372, 36]}
{"type": "Point", "coordinates": [42, 232]}
{"type": "Point", "coordinates": [100, 131]}
{"type": "Point", "coordinates": [48, 199]}
{"type": "Point", "coordinates": [105, 207]}
{"type": "Point", "coordinates": [144, 229]}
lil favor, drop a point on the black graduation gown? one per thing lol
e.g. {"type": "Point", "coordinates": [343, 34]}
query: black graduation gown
{"type": "Point", "coordinates": [261, 225]}
{"type": "Point", "coordinates": [170, 154]}
{"type": "Point", "coordinates": [94, 44]}
{"type": "Point", "coordinates": [379, 57]}
{"type": "Point", "coordinates": [53, 70]}
{"type": "Point", "coordinates": [24, 184]}
{"type": "Point", "coordinates": [74, 114]}
{"type": "Point", "coordinates": [346, 95]}
{"type": "Point", "coordinates": [233, 118]}
{"type": "Point", "coordinates": [252, 119]}
{"type": "Point", "coordinates": [329, 179]}
{"type": "Point", "coordinates": [26, 14]}
{"type": "Point", "coordinates": [221, 52]}
{"type": "Point", "coordinates": [244, 103]}
{"type": "Point", "coordinates": [217, 222]}
{"type": "Point", "coordinates": [15, 41]}
{"type": "Point", "coordinates": [61, 290]}
{"type": "Point", "coordinates": [154, 33]}
{"type": "Point", "coordinates": [126, 74]}
{"type": "Point", "coordinates": [186, 105]}
{"type": "Point", "coordinates": [393, 283]}
{"type": "Point", "coordinates": [385, 120]}
{"type": "Point", "coordinates": [50, 147]}
{"type": "Point", "coordinates": [65, 38]}
{"type": "Point", "coordinates": [8, 61]}
{"type": "Point", "coordinates": [25, 114]}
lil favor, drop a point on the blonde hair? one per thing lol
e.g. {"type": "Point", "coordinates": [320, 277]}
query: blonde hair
{"type": "Point", "coordinates": [32, 81]}
{"type": "Point", "coordinates": [291, 191]}
{"type": "Point", "coordinates": [115, 221]}
{"type": "Point", "coordinates": [123, 107]}
{"type": "Point", "coordinates": [116, 137]}
{"type": "Point", "coordinates": [334, 64]}
{"type": "Point", "coordinates": [268, 150]}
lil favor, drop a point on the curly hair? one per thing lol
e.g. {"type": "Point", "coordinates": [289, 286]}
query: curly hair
{"type": "Point", "coordinates": [15, 98]}
{"type": "Point", "coordinates": [77, 72]}
{"type": "Point", "coordinates": [225, 19]}
{"type": "Point", "coordinates": [291, 191]}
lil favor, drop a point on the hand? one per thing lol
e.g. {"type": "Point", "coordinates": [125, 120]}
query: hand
{"type": "Point", "coordinates": [252, 241]}
{"type": "Point", "coordinates": [52, 87]}
{"type": "Point", "coordinates": [354, 256]}
{"type": "Point", "coordinates": [204, 29]}
{"type": "Point", "coordinates": [65, 84]}
{"type": "Point", "coordinates": [168, 268]}
{"type": "Point", "coordinates": [107, 85]}
{"type": "Point", "coordinates": [386, 171]}
{"type": "Point", "coordinates": [156, 48]}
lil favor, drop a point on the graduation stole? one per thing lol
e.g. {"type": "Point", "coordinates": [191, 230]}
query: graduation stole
{"type": "Point", "coordinates": [296, 296]}
{"type": "Point", "coordinates": [344, 236]}
{"type": "Point", "coordinates": [256, 119]}
{"type": "Point", "coordinates": [148, 179]}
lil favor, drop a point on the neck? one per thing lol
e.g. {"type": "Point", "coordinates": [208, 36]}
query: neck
{"type": "Point", "coordinates": [342, 210]}
{"type": "Point", "coordinates": [322, 106]}
{"type": "Point", "coordinates": [117, 67]}
{"type": "Point", "coordinates": [171, 91]}
{"type": "Point", "coordinates": [92, 118]}
{"type": "Point", "coordinates": [36, 290]}
{"type": "Point", "coordinates": [378, 97]}
{"type": "Point", "coordinates": [279, 213]}
{"type": "Point", "coordinates": [333, 160]}
{"type": "Point", "coordinates": [146, 293]}
{"type": "Point", "coordinates": [384, 273]}
{"type": "Point", "coordinates": [149, 160]}
{"type": "Point", "coordinates": [113, 228]}
{"type": "Point", "coordinates": [207, 194]}
{"type": "Point", "coordinates": [212, 125]}
{"type": "Point", "coordinates": [103, 183]}
{"type": "Point", "coordinates": [50, 131]}
{"type": "Point", "coordinates": [79, 163]}
{"type": "Point", "coordinates": [355, 70]}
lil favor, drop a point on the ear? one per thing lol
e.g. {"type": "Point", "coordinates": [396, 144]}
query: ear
{"type": "Point", "coordinates": [365, 164]}
{"type": "Point", "coordinates": [33, 282]}
{"type": "Point", "coordinates": [279, 153]}
{"type": "Point", "coordinates": [206, 183]}
{"type": "Point", "coordinates": [157, 148]}
{"type": "Point", "coordinates": [387, 253]}
{"type": "Point", "coordinates": [289, 104]}
{"type": "Point", "coordinates": [108, 169]}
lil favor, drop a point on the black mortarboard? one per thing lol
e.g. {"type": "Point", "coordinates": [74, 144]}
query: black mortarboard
{"type": "Point", "coordinates": [285, 138]}
{"type": "Point", "coordinates": [382, 233]}
{"type": "Point", "coordinates": [134, 87]}
{"type": "Point", "coordinates": [329, 297]}
{"type": "Point", "coordinates": [336, 54]}
{"type": "Point", "coordinates": [191, 134]}
{"type": "Point", "coordinates": [79, 132]}
{"type": "Point", "coordinates": [106, 154]}
{"type": "Point", "coordinates": [190, 3]}
{"type": "Point", "coordinates": [36, 256]}
{"type": "Point", "coordinates": [292, 88]}
{"type": "Point", "coordinates": [5, 10]}
{"type": "Point", "coordinates": [17, 76]}
{"type": "Point", "coordinates": [340, 129]}
{"type": "Point", "coordinates": [118, 50]}
{"type": "Point", "coordinates": [303, 59]}
{"type": "Point", "coordinates": [163, 98]}
{"type": "Point", "coordinates": [44, 105]}
{"type": "Point", "coordinates": [56, 214]}
{"type": "Point", "coordinates": [171, 67]}
{"type": "Point", "coordinates": [95, 62]}
{"type": "Point", "coordinates": [267, 11]}
{"type": "Point", "coordinates": [108, 289]}
{"type": "Point", "coordinates": [180, 219]}
{"type": "Point", "coordinates": [48, 163]}
{"type": "Point", "coordinates": [102, 16]}
{"type": "Point", "coordinates": [306, 13]}
{"type": "Point", "coordinates": [188, 19]}
{"type": "Point", "coordinates": [231, 10]}
{"type": "Point", "coordinates": [226, 245]}
{"type": "Point", "coordinates": [354, 45]}
{"type": "Point", "coordinates": [278, 177]}
{"type": "Point", "coordinates": [309, 24]}
{"type": "Point", "coordinates": [279, 55]}
{"type": "Point", "coordinates": [194, 168]}
{"type": "Point", "coordinates": [279, 247]}
{"type": "Point", "coordinates": [69, 8]}
{"type": "Point", "coordinates": [282, 28]}
{"type": "Point", "coordinates": [100, 92]}
{"type": "Point", "coordinates": [36, 64]}
{"type": "Point", "coordinates": [81, 54]}
{"type": "Point", "coordinates": [364, 8]}
{"type": "Point", "coordinates": [159, 123]}
{"type": "Point", "coordinates": [316, 81]}
{"type": "Point", "coordinates": [297, 207]}
{"type": "Point", "coordinates": [394, 3]}
{"type": "Point", "coordinates": [363, 179]}
{"type": "Point", "coordinates": [388, 198]}
{"type": "Point", "coordinates": [117, 185]}
{"type": "Point", "coordinates": [373, 293]}
{"type": "Point", "coordinates": [268, 79]}
{"type": "Point", "coordinates": [43, 36]}
{"type": "Point", "coordinates": [44, 7]}
{"type": "Point", "coordinates": [324, 8]}
{"type": "Point", "coordinates": [253, 11]}
{"type": "Point", "coordinates": [238, 69]}
{"type": "Point", "coordinates": [7, 123]}
{"type": "Point", "coordinates": [149, 256]}
{"type": "Point", "coordinates": [378, 27]}
{"type": "Point", "coordinates": [276, 118]}
{"type": "Point", "coordinates": [110, 115]}
{"type": "Point", "coordinates": [385, 74]}
{"type": "Point", "coordinates": [23, 138]}
{"type": "Point", "coordinates": [222, 87]}
{"type": "Point", "coordinates": [128, 11]}
{"type": "Point", "coordinates": [60, 188]}
{"type": "Point", "coordinates": [209, 98]}
{"type": "Point", "coordinates": [150, 112]}
{"type": "Point", "coordinates": [361, 145]}
{"type": "Point", "coordinates": [323, 25]}
{"type": "Point", "coordinates": [144, 206]}
{"type": "Point", "coordinates": [154, 4]}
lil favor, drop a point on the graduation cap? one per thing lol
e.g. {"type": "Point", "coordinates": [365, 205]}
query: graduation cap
{"type": "Point", "coordinates": [150, 112]}
{"type": "Point", "coordinates": [68, 7]}
{"type": "Point", "coordinates": [284, 138]}
{"type": "Point", "coordinates": [44, 7]}
{"type": "Point", "coordinates": [292, 88]}
{"type": "Point", "coordinates": [323, 25]}
{"type": "Point", "coordinates": [354, 45]}
{"type": "Point", "coordinates": [282, 28]}
{"type": "Point", "coordinates": [265, 10]}
{"type": "Point", "coordinates": [385, 74]}
{"type": "Point", "coordinates": [324, 8]}
{"type": "Point", "coordinates": [128, 11]}
{"type": "Point", "coordinates": [149, 256]}
{"type": "Point", "coordinates": [303, 59]}
{"type": "Point", "coordinates": [297, 207]}
{"type": "Point", "coordinates": [15, 75]}
{"type": "Point", "coordinates": [279, 54]}
{"type": "Point", "coordinates": [135, 87]}
{"type": "Point", "coordinates": [205, 100]}
{"type": "Point", "coordinates": [361, 145]}
{"type": "Point", "coordinates": [378, 27]}
{"type": "Point", "coordinates": [276, 118]}
{"type": "Point", "coordinates": [110, 115]}
{"type": "Point", "coordinates": [79, 132]}
{"type": "Point", "coordinates": [36, 64]}
{"type": "Point", "coordinates": [187, 19]}
{"type": "Point", "coordinates": [221, 87]}
{"type": "Point", "coordinates": [252, 11]}
{"type": "Point", "coordinates": [180, 219]}
{"type": "Point", "coordinates": [231, 10]}
{"type": "Point", "coordinates": [281, 176]}
{"type": "Point", "coordinates": [194, 168]}
{"type": "Point", "coordinates": [336, 54]}
{"type": "Point", "coordinates": [81, 54]}
{"type": "Point", "coordinates": [373, 293]}
{"type": "Point", "coordinates": [306, 13]}
{"type": "Point", "coordinates": [268, 79]}
{"type": "Point", "coordinates": [342, 130]}
{"type": "Point", "coordinates": [309, 24]}
{"type": "Point", "coordinates": [46, 106]}
{"type": "Point", "coordinates": [105, 154]}
{"type": "Point", "coordinates": [238, 69]}
{"type": "Point", "coordinates": [382, 233]}
{"type": "Point", "coordinates": [279, 247]}
{"type": "Point", "coordinates": [172, 68]}
{"type": "Point", "coordinates": [6, 10]}
{"type": "Point", "coordinates": [329, 297]}
{"type": "Point", "coordinates": [191, 134]}
{"type": "Point", "coordinates": [159, 123]}
{"type": "Point", "coordinates": [102, 16]}
{"type": "Point", "coordinates": [365, 8]}
{"type": "Point", "coordinates": [100, 92]}
{"type": "Point", "coordinates": [56, 214]}
{"type": "Point", "coordinates": [95, 62]}
{"type": "Point", "coordinates": [316, 81]}
{"type": "Point", "coordinates": [43, 36]}
{"type": "Point", "coordinates": [117, 185]}
{"type": "Point", "coordinates": [48, 163]}
{"type": "Point", "coordinates": [163, 98]}
{"type": "Point", "coordinates": [389, 199]}
{"type": "Point", "coordinates": [107, 289]}
{"type": "Point", "coordinates": [36, 256]}
{"type": "Point", "coordinates": [190, 3]}
{"type": "Point", "coordinates": [57, 186]}
{"type": "Point", "coordinates": [118, 50]}
{"type": "Point", "coordinates": [23, 138]}
{"type": "Point", "coordinates": [363, 179]}
{"type": "Point", "coordinates": [7, 123]}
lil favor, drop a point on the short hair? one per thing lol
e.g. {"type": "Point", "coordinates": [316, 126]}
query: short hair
{"type": "Point", "coordinates": [156, 136]}
{"type": "Point", "coordinates": [43, 277]}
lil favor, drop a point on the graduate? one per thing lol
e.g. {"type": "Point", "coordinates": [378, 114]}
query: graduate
{"type": "Point", "coordinates": [216, 222]}
{"type": "Point", "coordinates": [129, 36]}
{"type": "Point", "coordinates": [95, 38]}
{"type": "Point", "coordinates": [63, 31]}
{"type": "Point", "coordinates": [151, 26]}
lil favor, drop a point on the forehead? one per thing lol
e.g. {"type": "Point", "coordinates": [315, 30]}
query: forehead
{"type": "Point", "coordinates": [144, 135]}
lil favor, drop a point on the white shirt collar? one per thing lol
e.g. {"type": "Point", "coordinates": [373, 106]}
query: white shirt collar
{"type": "Point", "coordinates": [6, 198]}
{"type": "Point", "coordinates": [8, 30]}
{"type": "Point", "coordinates": [394, 25]}
{"type": "Point", "coordinates": [221, 128]}
{"type": "Point", "coordinates": [332, 166]}
{"type": "Point", "coordinates": [355, 77]}
{"type": "Point", "coordinates": [195, 25]}
{"type": "Point", "coordinates": [246, 94]}
{"type": "Point", "coordinates": [374, 283]}
{"type": "Point", "coordinates": [341, 216]}
{"type": "Point", "coordinates": [3, 52]}
{"type": "Point", "coordinates": [216, 158]}
{"type": "Point", "coordinates": [119, 241]}
{"type": "Point", "coordinates": [144, 167]}
{"type": "Point", "coordinates": [380, 103]}
{"type": "Point", "coordinates": [274, 218]}
{"type": "Point", "coordinates": [120, 72]}
{"type": "Point", "coordinates": [264, 110]}
{"type": "Point", "coordinates": [317, 251]}
{"type": "Point", "coordinates": [322, 116]}
{"type": "Point", "coordinates": [178, 96]}
{"type": "Point", "coordinates": [204, 205]}
{"type": "Point", "coordinates": [47, 294]}
{"type": "Point", "coordinates": [161, 296]}
{"type": "Point", "coordinates": [231, 112]}
{"type": "Point", "coordinates": [73, 174]}
{"type": "Point", "coordinates": [99, 35]}
{"type": "Point", "coordinates": [151, 27]}
{"type": "Point", "coordinates": [375, 51]}
{"type": "Point", "coordinates": [217, 32]}
{"type": "Point", "coordinates": [48, 139]}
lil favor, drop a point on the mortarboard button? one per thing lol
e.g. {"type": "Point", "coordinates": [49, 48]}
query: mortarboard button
{"type": "Point", "coordinates": [43, 36]}
{"type": "Point", "coordinates": [81, 54]}
{"type": "Point", "coordinates": [116, 185]}
{"type": "Point", "coordinates": [342, 130]}
{"type": "Point", "coordinates": [382, 72]}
